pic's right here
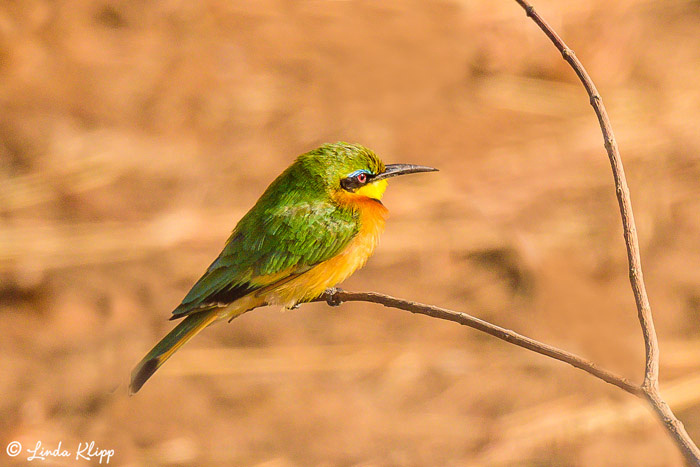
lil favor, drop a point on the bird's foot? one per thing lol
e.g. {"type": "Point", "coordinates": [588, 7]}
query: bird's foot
{"type": "Point", "coordinates": [332, 296]}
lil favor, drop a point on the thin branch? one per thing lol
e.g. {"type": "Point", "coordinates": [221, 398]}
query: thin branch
{"type": "Point", "coordinates": [650, 386]}
{"type": "Point", "coordinates": [651, 345]}
{"type": "Point", "coordinates": [335, 297]}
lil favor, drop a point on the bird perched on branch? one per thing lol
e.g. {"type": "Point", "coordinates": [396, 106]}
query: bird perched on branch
{"type": "Point", "coordinates": [315, 225]}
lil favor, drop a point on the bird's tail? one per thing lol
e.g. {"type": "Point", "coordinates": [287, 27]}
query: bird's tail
{"type": "Point", "coordinates": [183, 332]}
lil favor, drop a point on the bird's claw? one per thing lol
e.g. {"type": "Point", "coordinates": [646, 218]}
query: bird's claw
{"type": "Point", "coordinates": [332, 297]}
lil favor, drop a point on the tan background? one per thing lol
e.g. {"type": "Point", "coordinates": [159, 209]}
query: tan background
{"type": "Point", "coordinates": [133, 135]}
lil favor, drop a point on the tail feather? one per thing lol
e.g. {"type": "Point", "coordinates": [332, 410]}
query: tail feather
{"type": "Point", "coordinates": [183, 332]}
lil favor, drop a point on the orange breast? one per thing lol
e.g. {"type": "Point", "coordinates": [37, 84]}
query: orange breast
{"type": "Point", "coordinates": [335, 270]}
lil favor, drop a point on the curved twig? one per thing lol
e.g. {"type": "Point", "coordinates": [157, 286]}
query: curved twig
{"type": "Point", "coordinates": [651, 374]}
{"type": "Point", "coordinates": [650, 386]}
{"type": "Point", "coordinates": [335, 297]}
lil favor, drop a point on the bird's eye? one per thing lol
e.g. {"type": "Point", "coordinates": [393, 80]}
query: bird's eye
{"type": "Point", "coordinates": [355, 180]}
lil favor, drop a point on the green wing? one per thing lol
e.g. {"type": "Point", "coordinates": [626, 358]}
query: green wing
{"type": "Point", "coordinates": [289, 236]}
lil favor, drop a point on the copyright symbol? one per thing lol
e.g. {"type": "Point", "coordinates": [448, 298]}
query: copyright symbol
{"type": "Point", "coordinates": [14, 448]}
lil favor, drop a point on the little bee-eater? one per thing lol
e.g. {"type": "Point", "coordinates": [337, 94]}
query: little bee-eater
{"type": "Point", "coordinates": [312, 228]}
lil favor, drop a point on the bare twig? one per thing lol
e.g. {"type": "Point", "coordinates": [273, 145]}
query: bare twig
{"type": "Point", "coordinates": [650, 385]}
{"type": "Point", "coordinates": [651, 374]}
{"type": "Point", "coordinates": [337, 296]}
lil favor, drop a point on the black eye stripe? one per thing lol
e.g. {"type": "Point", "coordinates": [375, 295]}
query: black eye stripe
{"type": "Point", "coordinates": [350, 184]}
{"type": "Point", "coordinates": [356, 181]}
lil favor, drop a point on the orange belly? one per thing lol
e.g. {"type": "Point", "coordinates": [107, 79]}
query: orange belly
{"type": "Point", "coordinates": [314, 282]}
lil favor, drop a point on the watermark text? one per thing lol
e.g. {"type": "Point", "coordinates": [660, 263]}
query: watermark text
{"type": "Point", "coordinates": [85, 451]}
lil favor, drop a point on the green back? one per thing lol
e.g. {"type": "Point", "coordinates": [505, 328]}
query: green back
{"type": "Point", "coordinates": [293, 226]}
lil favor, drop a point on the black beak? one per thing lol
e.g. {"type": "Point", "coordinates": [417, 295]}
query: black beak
{"type": "Point", "coordinates": [392, 170]}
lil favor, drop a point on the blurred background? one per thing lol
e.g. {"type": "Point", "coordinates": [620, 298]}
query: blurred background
{"type": "Point", "coordinates": [133, 136]}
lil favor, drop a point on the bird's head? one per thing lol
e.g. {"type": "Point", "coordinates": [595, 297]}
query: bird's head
{"type": "Point", "coordinates": [351, 172]}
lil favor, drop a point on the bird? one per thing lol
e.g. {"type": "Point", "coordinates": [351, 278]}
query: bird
{"type": "Point", "coordinates": [317, 223]}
